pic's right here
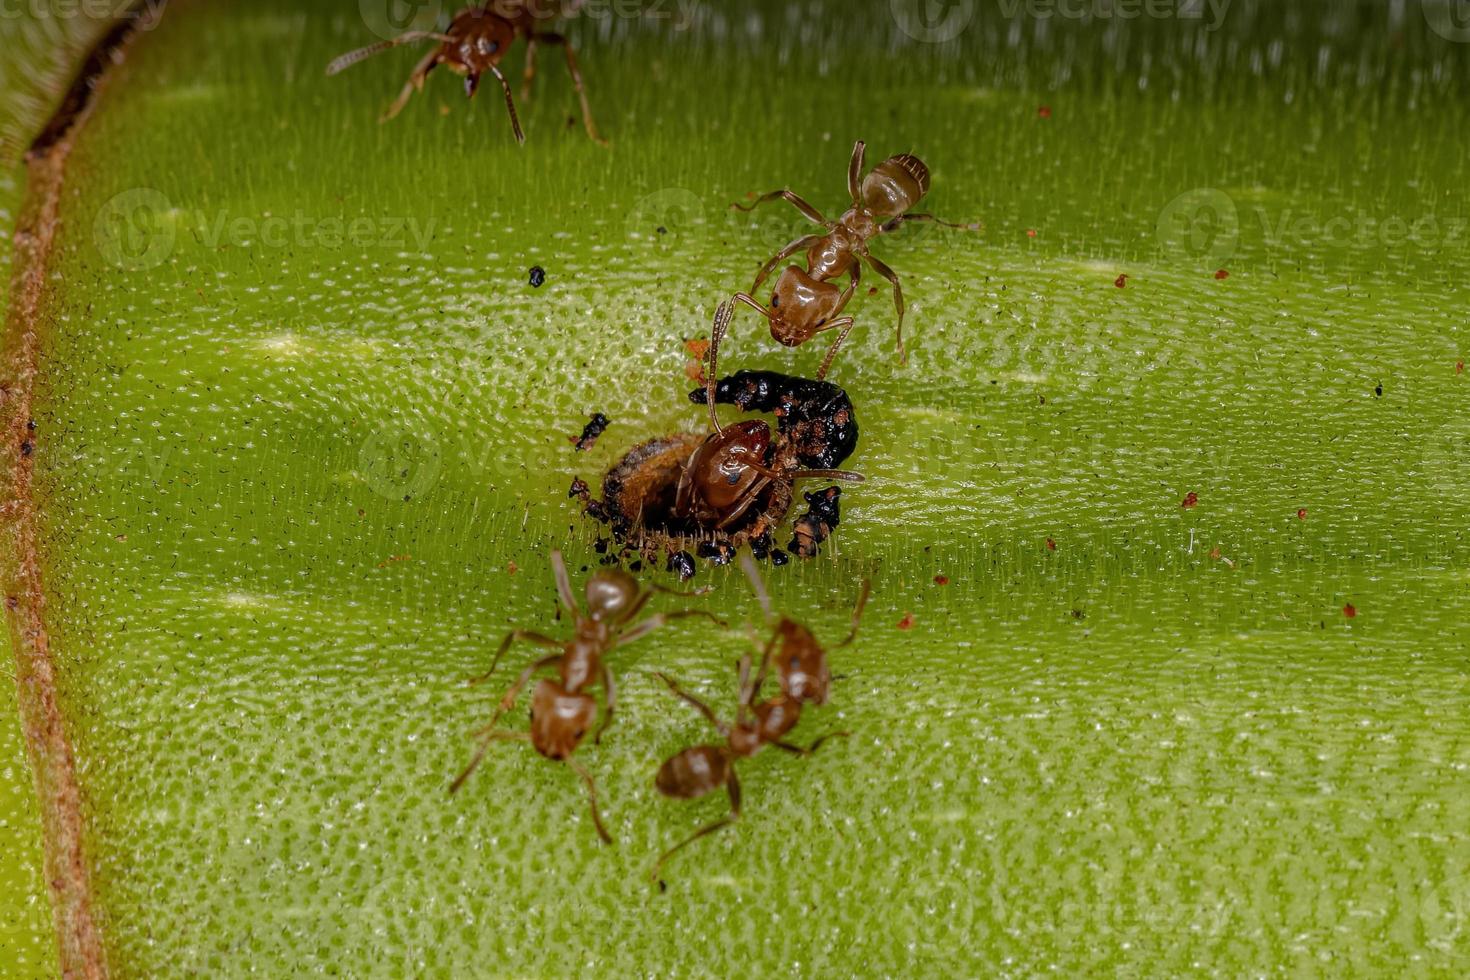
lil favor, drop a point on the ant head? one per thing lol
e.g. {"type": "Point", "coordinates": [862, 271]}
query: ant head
{"type": "Point", "coordinates": [721, 468]}
{"type": "Point", "coordinates": [610, 594]}
{"type": "Point", "coordinates": [805, 675]}
{"type": "Point", "coordinates": [895, 186]}
{"type": "Point", "coordinates": [801, 306]}
{"type": "Point", "coordinates": [559, 720]}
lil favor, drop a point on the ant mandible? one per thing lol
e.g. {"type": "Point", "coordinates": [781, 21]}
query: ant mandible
{"type": "Point", "coordinates": [702, 769]}
{"type": "Point", "coordinates": [807, 301]}
{"type": "Point", "coordinates": [562, 710]}
{"type": "Point", "coordinates": [473, 45]}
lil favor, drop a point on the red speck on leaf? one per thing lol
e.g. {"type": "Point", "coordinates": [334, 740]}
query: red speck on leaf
{"type": "Point", "coordinates": [1044, 112]}
{"type": "Point", "coordinates": [512, 568]}
{"type": "Point", "coordinates": [907, 623]}
{"type": "Point", "coordinates": [1121, 282]}
{"type": "Point", "coordinates": [1350, 611]}
{"type": "Point", "coordinates": [1301, 515]}
{"type": "Point", "coordinates": [1223, 274]}
{"type": "Point", "coordinates": [1030, 232]}
{"type": "Point", "coordinates": [1459, 367]}
{"type": "Point", "coordinates": [697, 348]}
{"type": "Point", "coordinates": [1191, 501]}
{"type": "Point", "coordinates": [941, 580]}
{"type": "Point", "coordinates": [1051, 545]}
{"type": "Point", "coordinates": [1215, 554]}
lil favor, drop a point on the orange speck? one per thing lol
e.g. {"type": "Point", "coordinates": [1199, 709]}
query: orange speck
{"type": "Point", "coordinates": [941, 580]}
{"type": "Point", "coordinates": [1051, 545]}
{"type": "Point", "coordinates": [512, 568]}
{"type": "Point", "coordinates": [1044, 112]}
{"type": "Point", "coordinates": [1030, 232]}
{"type": "Point", "coordinates": [1215, 554]}
{"type": "Point", "coordinates": [1301, 515]}
{"type": "Point", "coordinates": [1222, 274]}
{"type": "Point", "coordinates": [697, 348]}
{"type": "Point", "coordinates": [1121, 282]}
{"type": "Point", "coordinates": [394, 560]}
{"type": "Point", "coordinates": [907, 623]}
{"type": "Point", "coordinates": [1191, 501]}
{"type": "Point", "coordinates": [1459, 367]}
{"type": "Point", "coordinates": [1350, 611]}
{"type": "Point", "coordinates": [695, 372]}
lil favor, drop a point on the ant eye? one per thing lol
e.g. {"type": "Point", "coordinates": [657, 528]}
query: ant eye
{"type": "Point", "coordinates": [821, 321]}
{"type": "Point", "coordinates": [733, 479]}
{"type": "Point", "coordinates": [775, 300]}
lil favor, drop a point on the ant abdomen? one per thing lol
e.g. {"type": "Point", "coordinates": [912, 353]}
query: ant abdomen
{"type": "Point", "coordinates": [693, 773]}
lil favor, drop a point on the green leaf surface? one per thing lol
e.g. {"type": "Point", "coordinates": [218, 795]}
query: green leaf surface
{"type": "Point", "coordinates": [303, 415]}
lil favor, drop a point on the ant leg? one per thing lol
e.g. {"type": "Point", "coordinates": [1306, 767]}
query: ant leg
{"type": "Point", "coordinates": [723, 315]}
{"type": "Point", "coordinates": [530, 73]}
{"type": "Point", "coordinates": [855, 171]}
{"type": "Point", "coordinates": [415, 83]}
{"type": "Point", "coordinates": [581, 770]}
{"type": "Point", "coordinates": [576, 81]}
{"type": "Point", "coordinates": [699, 705]}
{"type": "Point", "coordinates": [801, 244]}
{"type": "Point", "coordinates": [857, 613]}
{"type": "Point", "coordinates": [891, 276]}
{"type": "Point", "coordinates": [846, 323]}
{"type": "Point", "coordinates": [508, 700]}
{"type": "Point", "coordinates": [795, 200]}
{"type": "Point", "coordinates": [732, 786]}
{"type": "Point", "coordinates": [564, 584]}
{"type": "Point", "coordinates": [487, 738]}
{"type": "Point", "coordinates": [660, 620]}
{"type": "Point", "coordinates": [351, 58]}
{"type": "Point", "coordinates": [610, 696]}
{"type": "Point", "coordinates": [798, 750]}
{"type": "Point", "coordinates": [894, 224]}
{"type": "Point", "coordinates": [510, 104]}
{"type": "Point", "coordinates": [512, 637]}
{"type": "Point", "coordinates": [760, 676]}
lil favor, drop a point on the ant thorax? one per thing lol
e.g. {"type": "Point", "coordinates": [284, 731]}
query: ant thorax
{"type": "Point", "coordinates": [860, 225]}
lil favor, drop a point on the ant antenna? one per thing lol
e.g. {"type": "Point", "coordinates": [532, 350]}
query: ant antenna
{"type": "Point", "coordinates": [757, 585]}
{"type": "Point", "coordinates": [723, 315]}
{"type": "Point", "coordinates": [362, 54]}
{"type": "Point", "coordinates": [857, 613]}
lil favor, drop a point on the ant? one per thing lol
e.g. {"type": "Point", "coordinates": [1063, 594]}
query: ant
{"type": "Point", "coordinates": [561, 710]}
{"type": "Point", "coordinates": [806, 301]}
{"type": "Point", "coordinates": [473, 45]}
{"type": "Point", "coordinates": [728, 473]}
{"type": "Point", "coordinates": [702, 769]}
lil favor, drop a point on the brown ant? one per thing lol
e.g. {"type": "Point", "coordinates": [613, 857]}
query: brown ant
{"type": "Point", "coordinates": [702, 769]}
{"type": "Point", "coordinates": [807, 301]}
{"type": "Point", "coordinates": [728, 473]}
{"type": "Point", "coordinates": [473, 45]}
{"type": "Point", "coordinates": [800, 660]}
{"type": "Point", "coordinates": [562, 710]}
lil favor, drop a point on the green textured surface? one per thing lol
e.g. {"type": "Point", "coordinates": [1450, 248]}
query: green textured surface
{"type": "Point", "coordinates": [27, 948]}
{"type": "Point", "coordinates": [1123, 755]}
